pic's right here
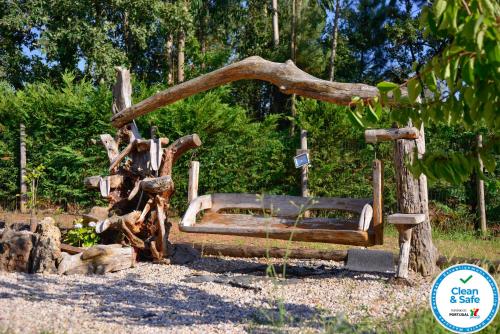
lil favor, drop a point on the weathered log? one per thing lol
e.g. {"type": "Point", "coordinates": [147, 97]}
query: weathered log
{"type": "Point", "coordinates": [93, 181]}
{"type": "Point", "coordinates": [377, 135]}
{"type": "Point", "coordinates": [272, 252]}
{"type": "Point", "coordinates": [122, 99]}
{"type": "Point", "coordinates": [157, 185]}
{"type": "Point", "coordinates": [286, 76]}
{"type": "Point", "coordinates": [99, 259]}
{"type": "Point", "coordinates": [194, 172]}
{"type": "Point", "coordinates": [126, 151]}
{"type": "Point", "coordinates": [162, 238]}
{"type": "Point", "coordinates": [144, 144]}
{"type": "Point", "coordinates": [131, 220]}
{"type": "Point", "coordinates": [176, 149]}
{"type": "Point", "coordinates": [72, 250]}
{"type": "Point", "coordinates": [412, 197]}
{"type": "Point", "coordinates": [110, 145]}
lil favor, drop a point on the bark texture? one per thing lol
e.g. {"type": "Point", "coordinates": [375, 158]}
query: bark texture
{"type": "Point", "coordinates": [413, 198]}
{"type": "Point", "coordinates": [286, 76]}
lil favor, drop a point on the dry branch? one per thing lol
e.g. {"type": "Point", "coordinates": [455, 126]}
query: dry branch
{"type": "Point", "coordinates": [378, 135]}
{"type": "Point", "coordinates": [286, 76]}
{"type": "Point", "coordinates": [99, 259]}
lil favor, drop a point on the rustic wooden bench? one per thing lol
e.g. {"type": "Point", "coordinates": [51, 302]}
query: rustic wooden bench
{"type": "Point", "coordinates": [281, 217]}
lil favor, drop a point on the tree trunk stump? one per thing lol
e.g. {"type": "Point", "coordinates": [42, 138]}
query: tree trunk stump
{"type": "Point", "coordinates": [413, 198]}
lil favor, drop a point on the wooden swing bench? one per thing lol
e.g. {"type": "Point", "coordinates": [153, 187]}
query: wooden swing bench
{"type": "Point", "coordinates": [282, 217]}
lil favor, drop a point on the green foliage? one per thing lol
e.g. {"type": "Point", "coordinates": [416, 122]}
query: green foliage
{"type": "Point", "coordinates": [458, 87]}
{"type": "Point", "coordinates": [237, 155]}
{"type": "Point", "coordinates": [81, 236]}
{"type": "Point", "coordinates": [60, 126]}
{"type": "Point", "coordinates": [424, 322]}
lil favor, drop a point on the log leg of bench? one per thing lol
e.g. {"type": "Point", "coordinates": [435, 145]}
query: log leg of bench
{"type": "Point", "coordinates": [404, 250]}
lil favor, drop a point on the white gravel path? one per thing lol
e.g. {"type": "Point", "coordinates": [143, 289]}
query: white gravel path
{"type": "Point", "coordinates": [156, 299]}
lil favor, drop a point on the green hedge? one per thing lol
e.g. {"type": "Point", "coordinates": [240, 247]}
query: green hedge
{"type": "Point", "coordinates": [239, 154]}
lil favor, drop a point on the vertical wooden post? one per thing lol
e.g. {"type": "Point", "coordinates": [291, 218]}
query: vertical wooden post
{"type": "Point", "coordinates": [304, 175]}
{"type": "Point", "coordinates": [480, 189]}
{"type": "Point", "coordinates": [194, 171]}
{"type": "Point", "coordinates": [413, 198]}
{"type": "Point", "coordinates": [23, 199]}
{"type": "Point", "coordinates": [404, 250]}
{"type": "Point", "coordinates": [378, 201]}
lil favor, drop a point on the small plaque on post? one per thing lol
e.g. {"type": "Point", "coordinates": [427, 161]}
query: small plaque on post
{"type": "Point", "coordinates": [301, 159]}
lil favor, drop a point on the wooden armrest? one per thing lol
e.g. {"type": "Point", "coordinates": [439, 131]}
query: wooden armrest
{"type": "Point", "coordinates": [406, 218]}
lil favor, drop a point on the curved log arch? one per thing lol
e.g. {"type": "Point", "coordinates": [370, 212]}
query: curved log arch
{"type": "Point", "coordinates": [286, 76]}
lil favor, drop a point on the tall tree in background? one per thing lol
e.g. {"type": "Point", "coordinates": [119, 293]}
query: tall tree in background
{"type": "Point", "coordinates": [276, 34]}
{"type": "Point", "coordinates": [333, 6]}
{"type": "Point", "coordinates": [331, 77]}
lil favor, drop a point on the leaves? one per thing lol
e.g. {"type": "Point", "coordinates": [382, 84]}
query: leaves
{"type": "Point", "coordinates": [414, 89]}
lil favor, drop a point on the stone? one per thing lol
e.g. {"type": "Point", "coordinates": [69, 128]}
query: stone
{"type": "Point", "coordinates": [183, 254]}
{"type": "Point", "coordinates": [365, 260]}
{"type": "Point", "coordinates": [46, 253]}
{"type": "Point", "coordinates": [15, 250]}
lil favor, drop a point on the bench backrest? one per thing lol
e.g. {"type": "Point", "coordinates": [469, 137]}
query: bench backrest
{"type": "Point", "coordinates": [286, 206]}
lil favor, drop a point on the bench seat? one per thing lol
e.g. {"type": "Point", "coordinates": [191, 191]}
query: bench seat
{"type": "Point", "coordinates": [284, 225]}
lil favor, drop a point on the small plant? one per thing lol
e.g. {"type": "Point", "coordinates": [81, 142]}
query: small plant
{"type": "Point", "coordinates": [33, 176]}
{"type": "Point", "coordinates": [82, 235]}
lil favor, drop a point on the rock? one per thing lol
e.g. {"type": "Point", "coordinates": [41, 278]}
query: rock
{"type": "Point", "coordinates": [15, 250]}
{"type": "Point", "coordinates": [183, 254]}
{"type": "Point", "coordinates": [46, 253]}
{"type": "Point", "coordinates": [19, 226]}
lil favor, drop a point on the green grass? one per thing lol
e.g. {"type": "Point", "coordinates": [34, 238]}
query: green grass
{"type": "Point", "coordinates": [423, 322]}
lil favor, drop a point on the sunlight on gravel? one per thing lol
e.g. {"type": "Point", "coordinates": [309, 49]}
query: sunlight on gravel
{"type": "Point", "coordinates": [212, 295]}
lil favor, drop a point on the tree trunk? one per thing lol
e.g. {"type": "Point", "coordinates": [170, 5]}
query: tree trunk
{"type": "Point", "coordinates": [181, 47]}
{"type": "Point", "coordinates": [412, 198]}
{"type": "Point", "coordinates": [480, 190]}
{"type": "Point", "coordinates": [276, 34]}
{"type": "Point", "coordinates": [170, 60]}
{"type": "Point", "coordinates": [334, 40]}
{"type": "Point", "coordinates": [180, 56]}
{"type": "Point", "coordinates": [23, 199]}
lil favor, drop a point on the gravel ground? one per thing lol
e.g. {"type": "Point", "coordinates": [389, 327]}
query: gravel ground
{"type": "Point", "coordinates": [212, 295]}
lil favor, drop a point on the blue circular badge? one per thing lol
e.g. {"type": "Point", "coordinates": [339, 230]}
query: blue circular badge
{"type": "Point", "coordinates": [464, 298]}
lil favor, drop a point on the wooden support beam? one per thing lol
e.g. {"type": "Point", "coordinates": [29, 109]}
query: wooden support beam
{"type": "Point", "coordinates": [481, 204]}
{"type": "Point", "coordinates": [378, 201]}
{"type": "Point", "coordinates": [304, 171]}
{"type": "Point", "coordinates": [266, 252]}
{"type": "Point", "coordinates": [286, 76]}
{"type": "Point", "coordinates": [23, 199]}
{"type": "Point", "coordinates": [404, 223]}
{"type": "Point", "coordinates": [194, 171]}
{"type": "Point", "coordinates": [373, 136]}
